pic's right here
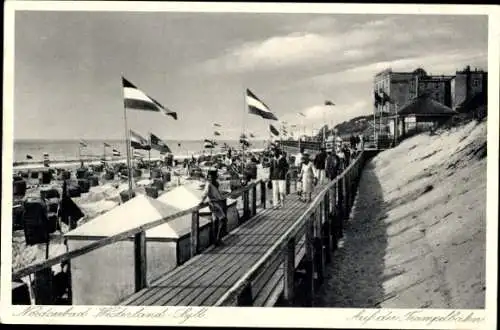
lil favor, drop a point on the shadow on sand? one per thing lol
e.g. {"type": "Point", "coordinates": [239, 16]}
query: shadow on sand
{"type": "Point", "coordinates": [355, 276]}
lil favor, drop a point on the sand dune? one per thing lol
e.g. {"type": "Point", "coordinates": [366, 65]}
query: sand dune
{"type": "Point", "coordinates": [416, 237]}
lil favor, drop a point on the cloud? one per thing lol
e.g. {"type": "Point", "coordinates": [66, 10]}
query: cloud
{"type": "Point", "coordinates": [298, 48]}
{"type": "Point", "coordinates": [439, 63]}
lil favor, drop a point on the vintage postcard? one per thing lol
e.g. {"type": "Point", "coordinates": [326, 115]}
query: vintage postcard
{"type": "Point", "coordinates": [250, 164]}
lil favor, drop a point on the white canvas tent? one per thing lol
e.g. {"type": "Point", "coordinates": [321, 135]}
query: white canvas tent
{"type": "Point", "coordinates": [106, 275]}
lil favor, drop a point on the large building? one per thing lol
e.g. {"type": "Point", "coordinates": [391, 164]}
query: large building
{"type": "Point", "coordinates": [450, 90]}
{"type": "Point", "coordinates": [466, 84]}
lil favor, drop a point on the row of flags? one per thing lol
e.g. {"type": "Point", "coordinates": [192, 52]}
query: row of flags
{"type": "Point", "coordinates": [154, 142]}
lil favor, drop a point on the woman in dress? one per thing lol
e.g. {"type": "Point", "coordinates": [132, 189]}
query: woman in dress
{"type": "Point", "coordinates": [307, 178]}
{"type": "Point", "coordinates": [217, 205]}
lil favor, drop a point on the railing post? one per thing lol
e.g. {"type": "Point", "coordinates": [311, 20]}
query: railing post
{"type": "Point", "coordinates": [140, 261]}
{"type": "Point", "coordinates": [326, 228]}
{"type": "Point", "coordinates": [195, 233]}
{"type": "Point", "coordinates": [245, 297]}
{"type": "Point", "coordinates": [263, 192]}
{"type": "Point", "coordinates": [246, 207]}
{"type": "Point", "coordinates": [254, 199]}
{"type": "Point", "coordinates": [309, 263]}
{"type": "Point", "coordinates": [319, 255]}
{"type": "Point", "coordinates": [289, 272]}
{"type": "Point", "coordinates": [287, 184]}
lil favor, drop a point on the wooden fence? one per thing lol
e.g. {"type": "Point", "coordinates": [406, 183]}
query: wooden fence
{"type": "Point", "coordinates": [322, 226]}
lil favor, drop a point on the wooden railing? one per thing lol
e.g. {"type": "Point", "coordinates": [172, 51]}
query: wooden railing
{"type": "Point", "coordinates": [139, 234]}
{"type": "Point", "coordinates": [321, 224]}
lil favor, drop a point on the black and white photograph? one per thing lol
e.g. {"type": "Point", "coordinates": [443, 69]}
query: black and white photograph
{"type": "Point", "coordinates": [169, 162]}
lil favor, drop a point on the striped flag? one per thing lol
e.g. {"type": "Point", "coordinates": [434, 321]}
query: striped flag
{"type": "Point", "coordinates": [245, 142]}
{"type": "Point", "coordinates": [208, 144]}
{"type": "Point", "coordinates": [106, 145]}
{"type": "Point", "coordinates": [257, 107]}
{"type": "Point", "coordinates": [138, 155]}
{"type": "Point", "coordinates": [273, 130]}
{"type": "Point", "coordinates": [116, 153]}
{"type": "Point", "coordinates": [138, 142]}
{"type": "Point", "coordinates": [138, 100]}
{"type": "Point", "coordinates": [83, 143]}
{"type": "Point", "coordinates": [158, 144]}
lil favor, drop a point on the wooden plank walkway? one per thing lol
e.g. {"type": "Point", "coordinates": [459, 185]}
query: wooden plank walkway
{"type": "Point", "coordinates": [205, 278]}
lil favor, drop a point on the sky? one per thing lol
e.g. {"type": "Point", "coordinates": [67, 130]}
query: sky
{"type": "Point", "coordinates": [68, 67]}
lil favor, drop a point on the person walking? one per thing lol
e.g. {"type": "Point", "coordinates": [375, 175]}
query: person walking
{"type": "Point", "coordinates": [217, 205]}
{"type": "Point", "coordinates": [298, 165]}
{"type": "Point", "coordinates": [332, 163]}
{"type": "Point", "coordinates": [277, 175]}
{"type": "Point", "coordinates": [319, 165]}
{"type": "Point", "coordinates": [306, 176]}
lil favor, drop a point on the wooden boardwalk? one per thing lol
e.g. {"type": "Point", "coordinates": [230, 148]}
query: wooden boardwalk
{"type": "Point", "coordinates": [204, 279]}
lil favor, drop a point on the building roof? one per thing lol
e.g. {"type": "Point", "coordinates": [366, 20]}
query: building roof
{"type": "Point", "coordinates": [424, 105]}
{"type": "Point", "coordinates": [138, 211]}
{"type": "Point", "coordinates": [473, 102]}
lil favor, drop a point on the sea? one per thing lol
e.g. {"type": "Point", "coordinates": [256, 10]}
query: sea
{"type": "Point", "coordinates": [70, 150]}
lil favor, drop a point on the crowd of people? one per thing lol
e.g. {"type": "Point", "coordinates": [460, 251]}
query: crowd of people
{"type": "Point", "coordinates": [326, 165]}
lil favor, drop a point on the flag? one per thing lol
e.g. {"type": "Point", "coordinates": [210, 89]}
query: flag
{"type": "Point", "coordinates": [138, 142]}
{"type": "Point", "coordinates": [300, 113]}
{"type": "Point", "coordinates": [216, 133]}
{"type": "Point", "coordinates": [116, 153]}
{"type": "Point", "coordinates": [29, 157]}
{"type": "Point", "coordinates": [245, 142]}
{"type": "Point", "coordinates": [251, 135]}
{"type": "Point", "coordinates": [378, 99]}
{"type": "Point", "coordinates": [386, 98]}
{"type": "Point", "coordinates": [138, 100]}
{"type": "Point", "coordinates": [208, 144]}
{"type": "Point", "coordinates": [45, 156]}
{"type": "Point", "coordinates": [106, 145]}
{"type": "Point", "coordinates": [217, 125]}
{"type": "Point", "coordinates": [83, 143]}
{"type": "Point", "coordinates": [243, 136]}
{"type": "Point", "coordinates": [137, 154]}
{"type": "Point", "coordinates": [273, 130]}
{"type": "Point", "coordinates": [329, 103]}
{"type": "Point", "coordinates": [158, 144]}
{"type": "Point", "coordinates": [179, 145]}
{"type": "Point", "coordinates": [257, 107]}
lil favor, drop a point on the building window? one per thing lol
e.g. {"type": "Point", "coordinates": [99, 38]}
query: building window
{"type": "Point", "coordinates": [436, 85]}
{"type": "Point", "coordinates": [475, 83]}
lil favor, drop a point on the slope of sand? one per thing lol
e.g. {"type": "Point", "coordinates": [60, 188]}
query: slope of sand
{"type": "Point", "coordinates": [416, 237]}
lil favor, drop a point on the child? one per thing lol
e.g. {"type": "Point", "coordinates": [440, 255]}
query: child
{"type": "Point", "coordinates": [216, 204]}
{"type": "Point", "coordinates": [307, 178]}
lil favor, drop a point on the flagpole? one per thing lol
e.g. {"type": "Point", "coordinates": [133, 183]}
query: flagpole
{"type": "Point", "coordinates": [127, 141]}
{"type": "Point", "coordinates": [149, 156]}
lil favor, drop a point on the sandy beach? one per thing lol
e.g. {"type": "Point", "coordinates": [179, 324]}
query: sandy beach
{"type": "Point", "coordinates": [416, 237]}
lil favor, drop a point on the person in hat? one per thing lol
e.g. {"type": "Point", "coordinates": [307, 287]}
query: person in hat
{"type": "Point", "coordinates": [217, 204]}
{"type": "Point", "coordinates": [307, 178]}
{"type": "Point", "coordinates": [277, 175]}
{"type": "Point", "coordinates": [332, 164]}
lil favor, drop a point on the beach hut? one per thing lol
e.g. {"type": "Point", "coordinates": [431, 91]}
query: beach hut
{"type": "Point", "coordinates": [418, 115]}
{"type": "Point", "coordinates": [106, 276]}
{"type": "Point", "coordinates": [189, 195]}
